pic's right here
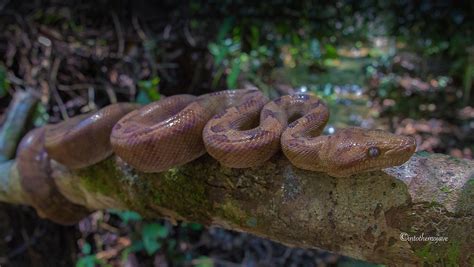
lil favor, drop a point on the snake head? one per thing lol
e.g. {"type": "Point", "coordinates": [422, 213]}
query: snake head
{"type": "Point", "coordinates": [354, 150]}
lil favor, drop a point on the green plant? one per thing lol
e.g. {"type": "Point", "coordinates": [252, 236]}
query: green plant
{"type": "Point", "coordinates": [152, 234]}
{"type": "Point", "coordinates": [89, 260]}
{"type": "Point", "coordinates": [4, 83]}
{"type": "Point", "coordinates": [148, 90]}
{"type": "Point", "coordinates": [126, 215]}
{"type": "Point", "coordinates": [242, 49]}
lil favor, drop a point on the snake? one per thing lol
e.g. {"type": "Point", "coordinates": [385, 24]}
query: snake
{"type": "Point", "coordinates": [239, 128]}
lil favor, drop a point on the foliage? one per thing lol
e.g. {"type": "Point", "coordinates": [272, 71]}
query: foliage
{"type": "Point", "coordinates": [89, 260]}
{"type": "Point", "coordinates": [148, 238]}
{"type": "Point", "coordinates": [148, 90]}
{"type": "Point", "coordinates": [4, 83]}
{"type": "Point", "coordinates": [242, 48]}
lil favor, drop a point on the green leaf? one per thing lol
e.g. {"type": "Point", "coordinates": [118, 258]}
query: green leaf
{"type": "Point", "coordinates": [331, 51]}
{"type": "Point", "coordinates": [86, 249]}
{"type": "Point", "coordinates": [204, 261]}
{"type": "Point", "coordinates": [467, 81]}
{"type": "Point", "coordinates": [4, 84]}
{"type": "Point", "coordinates": [219, 52]}
{"type": "Point", "coordinates": [255, 37]}
{"type": "Point", "coordinates": [87, 261]}
{"type": "Point", "coordinates": [148, 90]}
{"type": "Point", "coordinates": [151, 233]}
{"type": "Point", "coordinates": [137, 245]}
{"type": "Point", "coordinates": [234, 74]}
{"type": "Point", "coordinates": [127, 215]}
{"type": "Point", "coordinates": [224, 29]}
{"type": "Point", "coordinates": [195, 226]}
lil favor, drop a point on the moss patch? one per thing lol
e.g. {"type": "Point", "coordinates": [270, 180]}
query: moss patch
{"type": "Point", "coordinates": [101, 178]}
{"type": "Point", "coordinates": [185, 194]}
{"type": "Point", "coordinates": [231, 212]}
{"type": "Point", "coordinates": [447, 256]}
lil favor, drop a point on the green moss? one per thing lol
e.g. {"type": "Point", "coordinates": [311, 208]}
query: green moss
{"type": "Point", "coordinates": [426, 254]}
{"type": "Point", "coordinates": [471, 181]}
{"type": "Point", "coordinates": [448, 256]}
{"type": "Point", "coordinates": [231, 212]}
{"type": "Point", "coordinates": [453, 253]}
{"type": "Point", "coordinates": [187, 196]}
{"type": "Point", "coordinates": [445, 189]}
{"type": "Point", "coordinates": [101, 178]}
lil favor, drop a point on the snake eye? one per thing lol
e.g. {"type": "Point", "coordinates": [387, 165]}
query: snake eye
{"type": "Point", "coordinates": [373, 152]}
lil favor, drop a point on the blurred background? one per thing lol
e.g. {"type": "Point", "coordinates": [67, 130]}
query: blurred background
{"type": "Point", "coordinates": [404, 66]}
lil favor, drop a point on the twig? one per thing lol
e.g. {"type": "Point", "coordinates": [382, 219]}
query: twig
{"type": "Point", "coordinates": [73, 87]}
{"type": "Point", "coordinates": [91, 96]}
{"type": "Point", "coordinates": [16, 122]}
{"type": "Point", "coordinates": [188, 36]}
{"type": "Point", "coordinates": [118, 29]}
{"type": "Point", "coordinates": [15, 80]}
{"type": "Point", "coordinates": [138, 29]}
{"type": "Point", "coordinates": [54, 90]}
{"type": "Point", "coordinates": [111, 94]}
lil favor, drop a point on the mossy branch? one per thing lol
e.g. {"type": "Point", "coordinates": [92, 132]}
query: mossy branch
{"type": "Point", "coordinates": [364, 216]}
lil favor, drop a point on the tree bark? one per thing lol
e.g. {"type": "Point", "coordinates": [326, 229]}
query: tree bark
{"type": "Point", "coordinates": [365, 216]}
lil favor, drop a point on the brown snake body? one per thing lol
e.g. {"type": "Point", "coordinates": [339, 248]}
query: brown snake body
{"type": "Point", "coordinates": [239, 128]}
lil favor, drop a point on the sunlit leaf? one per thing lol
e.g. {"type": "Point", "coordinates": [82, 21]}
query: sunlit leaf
{"type": "Point", "coordinates": [127, 215]}
{"type": "Point", "coordinates": [234, 74]}
{"type": "Point", "coordinates": [148, 90]}
{"type": "Point", "coordinates": [331, 51]}
{"type": "Point", "coordinates": [204, 262]}
{"type": "Point", "coordinates": [151, 233]}
{"type": "Point", "coordinates": [87, 261]}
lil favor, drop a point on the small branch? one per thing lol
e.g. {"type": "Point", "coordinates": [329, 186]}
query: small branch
{"type": "Point", "coordinates": [15, 124]}
{"type": "Point", "coordinates": [54, 90]}
{"type": "Point", "coordinates": [118, 30]}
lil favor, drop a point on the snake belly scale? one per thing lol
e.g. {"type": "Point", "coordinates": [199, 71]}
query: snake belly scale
{"type": "Point", "coordinates": [239, 128]}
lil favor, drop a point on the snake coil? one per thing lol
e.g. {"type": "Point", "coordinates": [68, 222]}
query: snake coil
{"type": "Point", "coordinates": [239, 128]}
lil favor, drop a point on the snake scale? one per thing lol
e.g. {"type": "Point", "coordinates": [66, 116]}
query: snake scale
{"type": "Point", "coordinates": [239, 128]}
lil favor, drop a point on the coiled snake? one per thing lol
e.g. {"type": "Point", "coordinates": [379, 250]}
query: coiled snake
{"type": "Point", "coordinates": [239, 128]}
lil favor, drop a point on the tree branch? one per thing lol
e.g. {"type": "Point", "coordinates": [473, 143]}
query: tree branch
{"type": "Point", "coordinates": [364, 216]}
{"type": "Point", "coordinates": [15, 124]}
